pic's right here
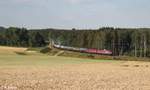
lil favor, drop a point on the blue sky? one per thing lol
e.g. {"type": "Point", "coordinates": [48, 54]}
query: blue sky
{"type": "Point", "coordinates": [74, 13]}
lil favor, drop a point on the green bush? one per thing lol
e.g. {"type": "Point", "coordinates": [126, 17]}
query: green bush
{"type": "Point", "coordinates": [90, 56]}
{"type": "Point", "coordinates": [45, 50]}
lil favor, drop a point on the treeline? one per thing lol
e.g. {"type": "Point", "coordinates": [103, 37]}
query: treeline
{"type": "Point", "coordinates": [132, 42]}
{"type": "Point", "coordinates": [21, 37]}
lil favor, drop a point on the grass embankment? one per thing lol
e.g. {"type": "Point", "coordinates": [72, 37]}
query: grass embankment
{"type": "Point", "coordinates": [95, 56]}
{"type": "Point", "coordinates": [20, 56]}
{"type": "Point", "coordinates": [43, 60]}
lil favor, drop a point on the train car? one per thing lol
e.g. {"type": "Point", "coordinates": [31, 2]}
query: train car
{"type": "Point", "coordinates": [76, 49]}
{"type": "Point", "coordinates": [96, 51]}
{"type": "Point", "coordinates": [106, 52]}
{"type": "Point", "coordinates": [82, 49]}
{"type": "Point", "coordinates": [85, 50]}
{"type": "Point", "coordinates": [56, 46]}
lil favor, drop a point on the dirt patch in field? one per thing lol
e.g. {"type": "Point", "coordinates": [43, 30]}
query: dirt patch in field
{"type": "Point", "coordinates": [92, 76]}
{"type": "Point", "coordinates": [11, 50]}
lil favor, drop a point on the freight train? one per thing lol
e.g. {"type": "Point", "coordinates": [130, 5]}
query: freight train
{"type": "Point", "coordinates": [84, 50]}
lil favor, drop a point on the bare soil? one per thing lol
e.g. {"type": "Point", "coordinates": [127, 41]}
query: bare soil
{"type": "Point", "coordinates": [86, 76]}
{"type": "Point", "coordinates": [11, 50]}
{"type": "Point", "coordinates": [61, 73]}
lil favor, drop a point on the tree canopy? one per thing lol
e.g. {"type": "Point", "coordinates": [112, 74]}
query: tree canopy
{"type": "Point", "coordinates": [122, 41]}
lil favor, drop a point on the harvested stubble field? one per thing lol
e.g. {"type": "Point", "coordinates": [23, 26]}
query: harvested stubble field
{"type": "Point", "coordinates": [42, 72]}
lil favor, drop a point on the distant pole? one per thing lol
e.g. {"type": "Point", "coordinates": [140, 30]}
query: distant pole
{"type": "Point", "coordinates": [145, 47]}
{"type": "Point", "coordinates": [113, 46]}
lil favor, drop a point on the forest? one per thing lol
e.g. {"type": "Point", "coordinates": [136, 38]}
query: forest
{"type": "Point", "coordinates": [122, 41]}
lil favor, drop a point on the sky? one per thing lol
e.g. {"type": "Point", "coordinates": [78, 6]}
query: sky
{"type": "Point", "coordinates": [82, 14]}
